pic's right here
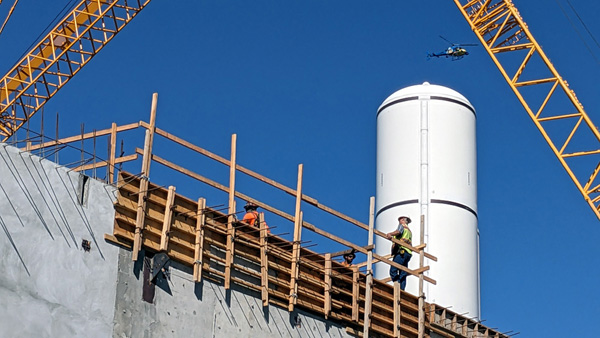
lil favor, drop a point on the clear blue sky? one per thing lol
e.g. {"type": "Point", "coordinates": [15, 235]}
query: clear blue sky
{"type": "Point", "coordinates": [300, 82]}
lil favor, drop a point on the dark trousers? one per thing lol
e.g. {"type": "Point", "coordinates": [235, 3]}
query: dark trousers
{"type": "Point", "coordinates": [397, 274]}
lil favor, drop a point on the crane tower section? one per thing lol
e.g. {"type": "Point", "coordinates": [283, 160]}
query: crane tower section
{"type": "Point", "coordinates": [50, 64]}
{"type": "Point", "coordinates": [546, 96]}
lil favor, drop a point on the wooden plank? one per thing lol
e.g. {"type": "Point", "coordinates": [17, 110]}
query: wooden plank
{"type": "Point", "coordinates": [327, 285]}
{"type": "Point", "coordinates": [397, 309]}
{"type": "Point", "coordinates": [264, 261]}
{"type": "Point", "coordinates": [141, 205]}
{"type": "Point", "coordinates": [199, 244]}
{"type": "Point", "coordinates": [231, 213]}
{"type": "Point", "coordinates": [166, 228]}
{"type": "Point", "coordinates": [296, 242]}
{"type": "Point", "coordinates": [111, 155]}
{"type": "Point", "coordinates": [137, 242]}
{"type": "Point", "coordinates": [84, 136]}
{"type": "Point", "coordinates": [369, 282]}
{"type": "Point", "coordinates": [421, 280]}
{"type": "Point", "coordinates": [282, 187]}
{"type": "Point", "coordinates": [355, 293]}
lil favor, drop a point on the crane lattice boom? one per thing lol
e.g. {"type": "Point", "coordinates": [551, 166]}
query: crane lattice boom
{"type": "Point", "coordinates": [502, 31]}
{"type": "Point", "coordinates": [59, 56]}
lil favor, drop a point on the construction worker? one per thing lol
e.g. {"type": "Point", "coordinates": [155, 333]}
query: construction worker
{"type": "Point", "coordinates": [251, 216]}
{"type": "Point", "coordinates": [348, 258]}
{"type": "Point", "coordinates": [401, 254]}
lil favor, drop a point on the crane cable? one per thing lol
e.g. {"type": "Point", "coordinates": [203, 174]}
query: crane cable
{"type": "Point", "coordinates": [577, 31]}
{"type": "Point", "coordinates": [9, 15]}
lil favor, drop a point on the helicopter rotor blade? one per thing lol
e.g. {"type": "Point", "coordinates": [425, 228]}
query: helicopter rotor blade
{"type": "Point", "coordinates": [468, 44]}
{"type": "Point", "coordinates": [448, 41]}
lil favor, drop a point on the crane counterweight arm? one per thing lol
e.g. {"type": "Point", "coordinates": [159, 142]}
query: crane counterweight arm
{"type": "Point", "coordinates": [50, 64]}
{"type": "Point", "coordinates": [502, 31]}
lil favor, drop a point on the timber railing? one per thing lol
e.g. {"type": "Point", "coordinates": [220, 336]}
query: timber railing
{"type": "Point", "coordinates": [224, 250]}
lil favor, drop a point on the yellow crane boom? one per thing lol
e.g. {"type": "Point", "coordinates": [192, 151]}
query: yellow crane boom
{"type": "Point", "coordinates": [49, 65]}
{"type": "Point", "coordinates": [502, 31]}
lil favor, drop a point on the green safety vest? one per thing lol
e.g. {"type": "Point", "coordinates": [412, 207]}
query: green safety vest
{"type": "Point", "coordinates": [406, 237]}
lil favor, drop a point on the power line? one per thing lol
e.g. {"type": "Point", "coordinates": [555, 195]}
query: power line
{"type": "Point", "coordinates": [577, 31]}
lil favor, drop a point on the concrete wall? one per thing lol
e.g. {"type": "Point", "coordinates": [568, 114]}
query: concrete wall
{"type": "Point", "coordinates": [182, 308]}
{"type": "Point", "coordinates": [49, 285]}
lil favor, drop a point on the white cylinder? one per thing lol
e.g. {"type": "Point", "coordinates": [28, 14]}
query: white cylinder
{"type": "Point", "coordinates": [426, 166]}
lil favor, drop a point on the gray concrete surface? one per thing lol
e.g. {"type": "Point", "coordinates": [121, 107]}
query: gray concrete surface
{"type": "Point", "coordinates": [182, 308]}
{"type": "Point", "coordinates": [50, 286]}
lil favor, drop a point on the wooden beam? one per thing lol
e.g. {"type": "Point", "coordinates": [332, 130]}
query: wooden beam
{"type": "Point", "coordinates": [199, 244]}
{"type": "Point", "coordinates": [369, 282]}
{"type": "Point", "coordinates": [397, 310]}
{"type": "Point", "coordinates": [327, 305]}
{"type": "Point", "coordinates": [231, 212]}
{"type": "Point", "coordinates": [111, 155]}
{"type": "Point", "coordinates": [355, 293]}
{"type": "Point", "coordinates": [166, 228]}
{"type": "Point", "coordinates": [421, 281]}
{"type": "Point", "coordinates": [343, 252]}
{"type": "Point", "coordinates": [296, 243]}
{"type": "Point", "coordinates": [264, 261]}
{"type": "Point", "coordinates": [84, 136]}
{"type": "Point", "coordinates": [282, 187]}
{"type": "Point", "coordinates": [141, 210]}
{"type": "Point", "coordinates": [141, 205]}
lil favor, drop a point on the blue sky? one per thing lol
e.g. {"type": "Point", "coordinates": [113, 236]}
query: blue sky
{"type": "Point", "coordinates": [300, 82]}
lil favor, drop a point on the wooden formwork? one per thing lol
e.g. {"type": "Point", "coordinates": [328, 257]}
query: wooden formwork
{"type": "Point", "coordinates": [186, 230]}
{"type": "Point", "coordinates": [224, 250]}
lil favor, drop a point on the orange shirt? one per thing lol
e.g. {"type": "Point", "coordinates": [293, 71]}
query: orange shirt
{"type": "Point", "coordinates": [251, 217]}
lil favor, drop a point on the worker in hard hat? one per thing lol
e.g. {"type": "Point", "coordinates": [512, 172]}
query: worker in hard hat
{"type": "Point", "coordinates": [401, 253]}
{"type": "Point", "coordinates": [348, 258]}
{"type": "Point", "coordinates": [251, 216]}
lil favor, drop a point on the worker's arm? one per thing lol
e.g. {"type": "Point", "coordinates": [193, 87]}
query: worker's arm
{"type": "Point", "coordinates": [398, 232]}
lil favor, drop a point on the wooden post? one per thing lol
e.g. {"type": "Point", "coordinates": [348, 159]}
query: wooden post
{"type": "Point", "coordinates": [421, 280]}
{"type": "Point", "coordinates": [166, 228]}
{"type": "Point", "coordinates": [199, 245]}
{"type": "Point", "coordinates": [264, 262]}
{"type": "Point", "coordinates": [369, 283]}
{"type": "Point", "coordinates": [111, 155]}
{"type": "Point", "coordinates": [230, 230]}
{"type": "Point", "coordinates": [355, 293]}
{"type": "Point", "coordinates": [296, 244]}
{"type": "Point", "coordinates": [397, 309]}
{"type": "Point", "coordinates": [143, 193]}
{"type": "Point", "coordinates": [327, 306]}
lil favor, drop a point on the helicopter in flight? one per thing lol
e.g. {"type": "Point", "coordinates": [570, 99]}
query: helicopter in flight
{"type": "Point", "coordinates": [456, 51]}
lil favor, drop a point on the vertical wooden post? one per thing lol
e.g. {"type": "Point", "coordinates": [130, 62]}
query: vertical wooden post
{"type": "Point", "coordinates": [166, 228]}
{"type": "Point", "coordinates": [111, 155]}
{"type": "Point", "coordinates": [397, 309]}
{"type": "Point", "coordinates": [230, 230]}
{"type": "Point", "coordinates": [421, 279]}
{"type": "Point", "coordinates": [355, 293]}
{"type": "Point", "coordinates": [327, 306]}
{"type": "Point", "coordinates": [143, 193]}
{"type": "Point", "coordinates": [369, 282]}
{"type": "Point", "coordinates": [296, 244]}
{"type": "Point", "coordinates": [199, 245]}
{"type": "Point", "coordinates": [264, 262]}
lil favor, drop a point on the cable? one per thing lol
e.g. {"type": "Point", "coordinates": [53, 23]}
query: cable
{"type": "Point", "coordinates": [577, 31]}
{"type": "Point", "coordinates": [9, 15]}
{"type": "Point", "coordinates": [583, 23]}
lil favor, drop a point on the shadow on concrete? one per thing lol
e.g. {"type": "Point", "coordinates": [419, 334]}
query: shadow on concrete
{"type": "Point", "coordinates": [198, 290]}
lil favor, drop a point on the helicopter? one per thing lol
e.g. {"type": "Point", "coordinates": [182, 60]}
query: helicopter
{"type": "Point", "coordinates": [454, 51]}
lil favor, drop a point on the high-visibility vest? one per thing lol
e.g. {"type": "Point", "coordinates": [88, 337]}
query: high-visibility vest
{"type": "Point", "coordinates": [407, 238]}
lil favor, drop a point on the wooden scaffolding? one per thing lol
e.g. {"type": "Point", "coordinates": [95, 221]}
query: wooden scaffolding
{"type": "Point", "coordinates": [224, 250]}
